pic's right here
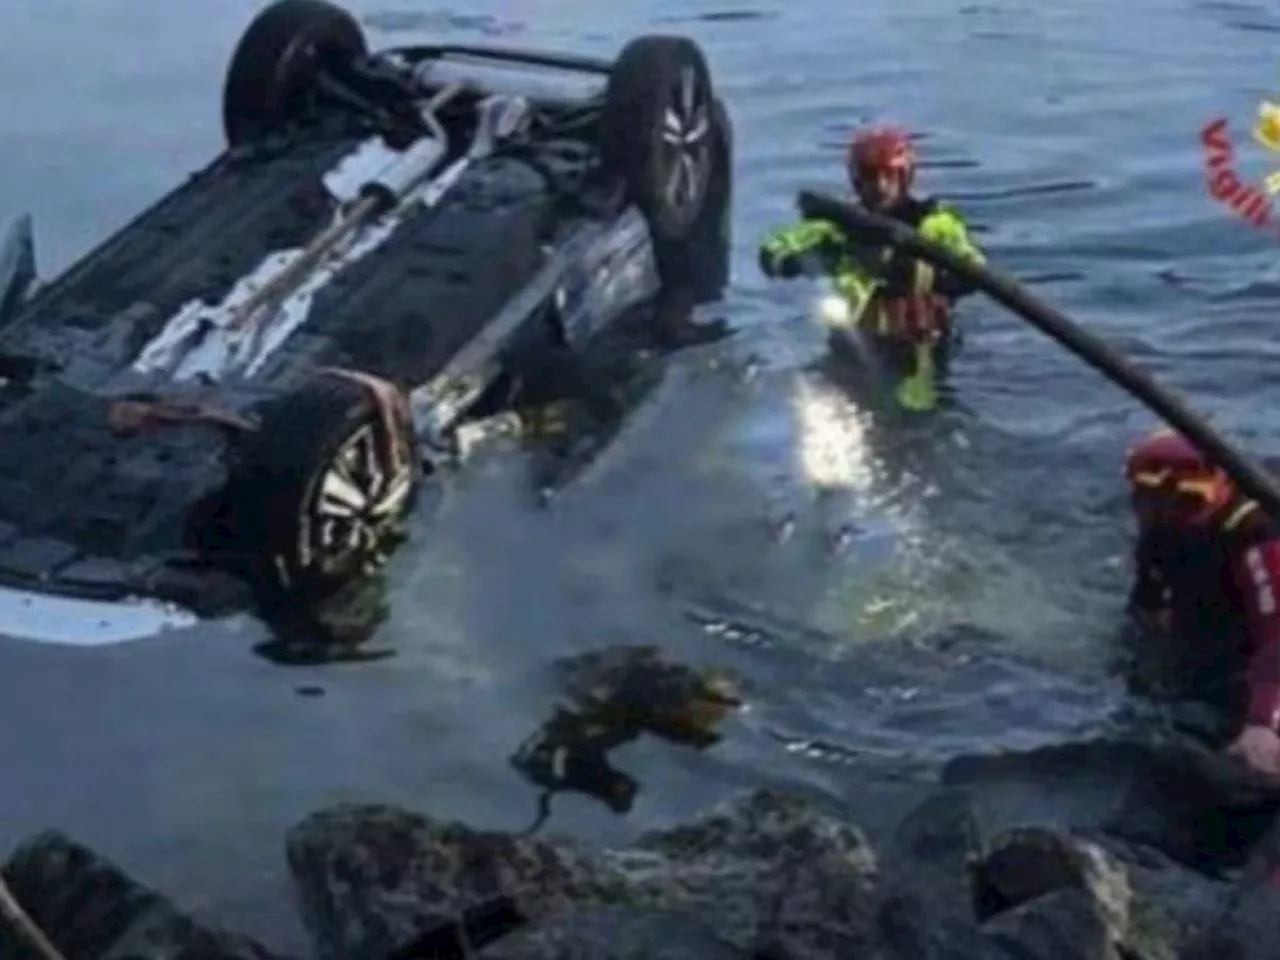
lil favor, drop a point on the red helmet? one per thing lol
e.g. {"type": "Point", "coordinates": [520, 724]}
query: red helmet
{"type": "Point", "coordinates": [1170, 478]}
{"type": "Point", "coordinates": [882, 150]}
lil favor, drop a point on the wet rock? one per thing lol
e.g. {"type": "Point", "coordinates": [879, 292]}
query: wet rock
{"type": "Point", "coordinates": [371, 878]}
{"type": "Point", "coordinates": [90, 910]}
{"type": "Point", "coordinates": [1054, 895]}
{"type": "Point", "coordinates": [1245, 928]}
{"type": "Point", "coordinates": [766, 875]}
{"type": "Point", "coordinates": [612, 933]}
{"type": "Point", "coordinates": [1032, 862]}
{"type": "Point", "coordinates": [927, 900]}
{"type": "Point", "coordinates": [1063, 925]}
{"type": "Point", "coordinates": [766, 868]}
{"type": "Point", "coordinates": [1061, 896]}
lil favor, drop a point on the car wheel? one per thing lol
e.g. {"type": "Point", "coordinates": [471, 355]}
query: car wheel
{"type": "Point", "coordinates": [698, 264]}
{"type": "Point", "coordinates": [328, 481]}
{"type": "Point", "coordinates": [268, 83]}
{"type": "Point", "coordinates": [657, 131]}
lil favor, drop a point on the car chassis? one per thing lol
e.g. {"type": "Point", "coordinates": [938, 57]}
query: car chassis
{"type": "Point", "coordinates": [564, 195]}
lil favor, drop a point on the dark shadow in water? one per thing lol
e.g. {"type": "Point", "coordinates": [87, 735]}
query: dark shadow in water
{"type": "Point", "coordinates": [335, 630]}
{"type": "Point", "coordinates": [1251, 26]}
{"type": "Point", "coordinates": [722, 16]}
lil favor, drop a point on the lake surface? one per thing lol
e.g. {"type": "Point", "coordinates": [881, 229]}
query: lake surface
{"type": "Point", "coordinates": [1068, 135]}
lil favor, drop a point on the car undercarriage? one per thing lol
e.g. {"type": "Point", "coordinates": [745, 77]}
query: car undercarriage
{"type": "Point", "coordinates": [239, 397]}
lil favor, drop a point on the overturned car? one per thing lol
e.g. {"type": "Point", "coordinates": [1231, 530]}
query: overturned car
{"type": "Point", "coordinates": [244, 390]}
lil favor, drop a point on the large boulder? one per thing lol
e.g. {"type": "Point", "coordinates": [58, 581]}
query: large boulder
{"type": "Point", "coordinates": [1168, 815]}
{"type": "Point", "coordinates": [1061, 898]}
{"type": "Point", "coordinates": [763, 870]}
{"type": "Point", "coordinates": [91, 910]}
{"type": "Point", "coordinates": [1246, 926]}
{"type": "Point", "coordinates": [926, 906]}
{"type": "Point", "coordinates": [618, 933]}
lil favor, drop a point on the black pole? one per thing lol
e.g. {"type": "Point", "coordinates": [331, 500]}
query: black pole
{"type": "Point", "coordinates": [1250, 478]}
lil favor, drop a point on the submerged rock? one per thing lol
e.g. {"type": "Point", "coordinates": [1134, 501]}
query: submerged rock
{"type": "Point", "coordinates": [91, 910]}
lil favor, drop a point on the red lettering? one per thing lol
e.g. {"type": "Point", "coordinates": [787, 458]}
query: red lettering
{"type": "Point", "coordinates": [1243, 197]}
{"type": "Point", "coordinates": [1224, 185]}
{"type": "Point", "coordinates": [1248, 202]}
{"type": "Point", "coordinates": [1252, 205]}
{"type": "Point", "coordinates": [1257, 209]}
{"type": "Point", "coordinates": [1214, 137]}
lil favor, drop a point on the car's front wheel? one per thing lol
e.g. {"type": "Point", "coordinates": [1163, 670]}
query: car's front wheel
{"type": "Point", "coordinates": [328, 480]}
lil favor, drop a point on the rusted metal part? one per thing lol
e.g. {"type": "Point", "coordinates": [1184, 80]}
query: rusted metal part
{"type": "Point", "coordinates": [394, 415]}
{"type": "Point", "coordinates": [130, 416]}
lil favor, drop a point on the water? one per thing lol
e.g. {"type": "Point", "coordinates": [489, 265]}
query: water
{"type": "Point", "coordinates": [1067, 133]}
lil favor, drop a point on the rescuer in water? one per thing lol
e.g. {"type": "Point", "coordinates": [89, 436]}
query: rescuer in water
{"type": "Point", "coordinates": [1208, 579]}
{"type": "Point", "coordinates": [901, 306]}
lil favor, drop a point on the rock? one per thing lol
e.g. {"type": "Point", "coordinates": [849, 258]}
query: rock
{"type": "Point", "coordinates": [1164, 808]}
{"type": "Point", "coordinates": [765, 868]}
{"type": "Point", "coordinates": [371, 878]}
{"type": "Point", "coordinates": [1061, 896]}
{"type": "Point", "coordinates": [766, 876]}
{"type": "Point", "coordinates": [1203, 809]}
{"type": "Point", "coordinates": [1247, 931]}
{"type": "Point", "coordinates": [926, 910]}
{"type": "Point", "coordinates": [1054, 895]}
{"type": "Point", "coordinates": [1246, 926]}
{"type": "Point", "coordinates": [1032, 862]}
{"type": "Point", "coordinates": [612, 933]}
{"type": "Point", "coordinates": [91, 910]}
{"type": "Point", "coordinates": [1063, 925]}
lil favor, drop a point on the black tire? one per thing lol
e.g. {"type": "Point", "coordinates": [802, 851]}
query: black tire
{"type": "Point", "coordinates": [657, 131]}
{"type": "Point", "coordinates": [332, 427]}
{"type": "Point", "coordinates": [268, 83]}
{"type": "Point", "coordinates": [698, 265]}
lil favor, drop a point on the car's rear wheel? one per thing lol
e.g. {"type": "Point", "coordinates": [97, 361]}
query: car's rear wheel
{"type": "Point", "coordinates": [328, 480]}
{"type": "Point", "coordinates": [270, 81]}
{"type": "Point", "coordinates": [658, 129]}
